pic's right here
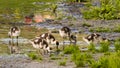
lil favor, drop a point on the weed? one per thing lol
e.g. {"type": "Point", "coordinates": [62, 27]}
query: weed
{"type": "Point", "coordinates": [70, 49]}
{"type": "Point", "coordinates": [34, 56]}
{"type": "Point", "coordinates": [102, 63]}
{"type": "Point", "coordinates": [104, 46]}
{"type": "Point", "coordinates": [107, 10]}
{"type": "Point", "coordinates": [100, 29]}
{"type": "Point", "coordinates": [117, 28]}
{"type": "Point", "coordinates": [80, 59]}
{"type": "Point", "coordinates": [107, 53]}
{"type": "Point", "coordinates": [86, 24]}
{"type": "Point", "coordinates": [107, 61]}
{"type": "Point", "coordinates": [53, 57]}
{"type": "Point", "coordinates": [94, 64]}
{"type": "Point", "coordinates": [114, 60]}
{"type": "Point", "coordinates": [117, 45]}
{"type": "Point", "coordinates": [91, 47]}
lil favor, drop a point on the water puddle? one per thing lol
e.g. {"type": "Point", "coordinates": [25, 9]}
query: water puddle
{"type": "Point", "coordinates": [97, 47]}
{"type": "Point", "coordinates": [78, 43]}
{"type": "Point", "coordinates": [20, 40]}
{"type": "Point", "coordinates": [53, 27]}
{"type": "Point", "coordinates": [47, 25]}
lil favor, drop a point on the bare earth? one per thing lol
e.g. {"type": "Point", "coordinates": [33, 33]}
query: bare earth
{"type": "Point", "coordinates": [23, 61]}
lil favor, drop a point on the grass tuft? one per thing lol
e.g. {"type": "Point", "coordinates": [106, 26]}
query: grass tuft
{"type": "Point", "coordinates": [34, 56]}
{"type": "Point", "coordinates": [70, 49]}
{"type": "Point", "coordinates": [62, 63]}
{"type": "Point", "coordinates": [104, 46]}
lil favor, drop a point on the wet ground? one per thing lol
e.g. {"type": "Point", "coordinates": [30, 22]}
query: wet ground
{"type": "Point", "coordinates": [23, 61]}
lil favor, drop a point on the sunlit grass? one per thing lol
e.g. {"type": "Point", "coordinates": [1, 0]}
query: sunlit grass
{"type": "Point", "coordinates": [4, 49]}
{"type": "Point", "coordinates": [31, 32]}
{"type": "Point", "coordinates": [100, 29]}
{"type": "Point", "coordinates": [35, 56]}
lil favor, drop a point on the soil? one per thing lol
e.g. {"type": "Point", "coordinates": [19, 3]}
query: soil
{"type": "Point", "coordinates": [23, 61]}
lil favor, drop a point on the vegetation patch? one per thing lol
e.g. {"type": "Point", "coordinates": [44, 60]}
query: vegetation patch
{"type": "Point", "coordinates": [32, 31]}
{"type": "Point", "coordinates": [91, 47]}
{"type": "Point", "coordinates": [117, 28]}
{"type": "Point", "coordinates": [4, 49]}
{"type": "Point", "coordinates": [86, 25]}
{"type": "Point", "coordinates": [104, 46]}
{"type": "Point", "coordinates": [34, 56]}
{"type": "Point", "coordinates": [53, 57]}
{"type": "Point", "coordinates": [108, 9]}
{"type": "Point", "coordinates": [100, 29]}
{"type": "Point", "coordinates": [117, 45]}
{"type": "Point", "coordinates": [108, 61]}
{"type": "Point", "coordinates": [80, 59]}
{"type": "Point", "coordinates": [71, 49]}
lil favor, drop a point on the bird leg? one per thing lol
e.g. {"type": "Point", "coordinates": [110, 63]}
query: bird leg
{"type": "Point", "coordinates": [12, 41]}
{"type": "Point", "coordinates": [17, 40]}
{"type": "Point", "coordinates": [63, 42]}
{"type": "Point", "coordinates": [75, 42]}
{"type": "Point", "coordinates": [56, 47]}
{"type": "Point", "coordinates": [39, 52]}
{"type": "Point", "coordinates": [70, 40]}
{"type": "Point", "coordinates": [10, 47]}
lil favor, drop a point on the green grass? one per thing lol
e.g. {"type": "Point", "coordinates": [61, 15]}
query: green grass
{"type": "Point", "coordinates": [32, 32]}
{"type": "Point", "coordinates": [104, 46]}
{"type": "Point", "coordinates": [80, 59]}
{"type": "Point", "coordinates": [102, 63]}
{"type": "Point", "coordinates": [91, 47]}
{"type": "Point", "coordinates": [107, 61]}
{"type": "Point", "coordinates": [117, 28]}
{"type": "Point", "coordinates": [117, 45]}
{"type": "Point", "coordinates": [4, 31]}
{"type": "Point", "coordinates": [70, 49]}
{"type": "Point", "coordinates": [100, 29]}
{"type": "Point", "coordinates": [4, 49]}
{"type": "Point", "coordinates": [55, 58]}
{"type": "Point", "coordinates": [106, 29]}
{"type": "Point", "coordinates": [34, 56]}
{"type": "Point", "coordinates": [22, 8]}
{"type": "Point", "coordinates": [22, 3]}
{"type": "Point", "coordinates": [86, 25]}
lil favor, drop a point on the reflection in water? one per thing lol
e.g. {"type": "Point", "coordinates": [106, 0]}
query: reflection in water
{"type": "Point", "coordinates": [13, 47]}
{"type": "Point", "coordinates": [20, 40]}
{"type": "Point", "coordinates": [13, 44]}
